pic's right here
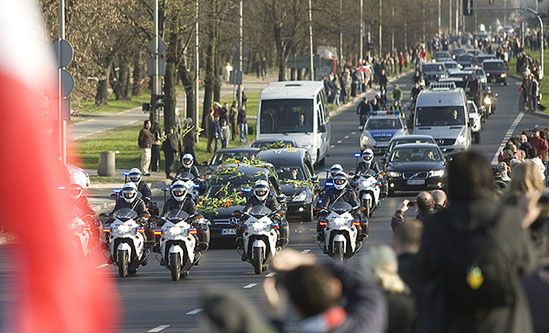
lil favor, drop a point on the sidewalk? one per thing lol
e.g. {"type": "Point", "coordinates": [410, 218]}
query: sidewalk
{"type": "Point", "coordinates": [108, 121]}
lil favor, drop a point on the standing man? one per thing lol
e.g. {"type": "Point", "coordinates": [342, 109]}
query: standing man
{"type": "Point", "coordinates": [242, 123]}
{"type": "Point", "coordinates": [145, 142]}
{"type": "Point", "coordinates": [233, 112]}
{"type": "Point", "coordinates": [155, 151]}
{"type": "Point", "coordinates": [170, 146]}
{"type": "Point", "coordinates": [383, 81]}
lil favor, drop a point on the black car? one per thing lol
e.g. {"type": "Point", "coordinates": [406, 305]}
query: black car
{"type": "Point", "coordinates": [272, 144]}
{"type": "Point", "coordinates": [496, 71]}
{"type": "Point", "coordinates": [225, 154]}
{"type": "Point", "coordinates": [465, 60]}
{"type": "Point", "coordinates": [416, 167]}
{"type": "Point", "coordinates": [227, 191]}
{"type": "Point", "coordinates": [432, 72]}
{"type": "Point", "coordinates": [483, 57]}
{"type": "Point", "coordinates": [298, 181]}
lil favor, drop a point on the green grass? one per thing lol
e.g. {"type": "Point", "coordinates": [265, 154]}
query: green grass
{"type": "Point", "coordinates": [112, 106]}
{"type": "Point", "coordinates": [123, 141]}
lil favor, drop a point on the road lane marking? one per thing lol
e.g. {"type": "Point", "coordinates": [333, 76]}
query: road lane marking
{"type": "Point", "coordinates": [339, 141]}
{"type": "Point", "coordinates": [332, 147]}
{"type": "Point", "coordinates": [305, 251]}
{"type": "Point", "coordinates": [102, 265]}
{"type": "Point", "coordinates": [271, 274]}
{"type": "Point", "coordinates": [195, 311]}
{"type": "Point", "coordinates": [507, 136]}
{"type": "Point", "coordinates": [159, 328]}
{"type": "Point", "coordinates": [249, 286]}
{"type": "Point", "coordinates": [353, 133]}
{"type": "Point", "coordinates": [346, 136]}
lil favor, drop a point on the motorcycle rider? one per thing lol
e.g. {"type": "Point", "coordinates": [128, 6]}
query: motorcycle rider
{"type": "Point", "coordinates": [181, 200]}
{"type": "Point", "coordinates": [262, 196]}
{"type": "Point", "coordinates": [367, 162]}
{"type": "Point", "coordinates": [82, 208]}
{"type": "Point", "coordinates": [142, 187]}
{"type": "Point", "coordinates": [343, 191]}
{"type": "Point", "coordinates": [187, 166]}
{"type": "Point", "coordinates": [362, 110]}
{"type": "Point", "coordinates": [128, 199]}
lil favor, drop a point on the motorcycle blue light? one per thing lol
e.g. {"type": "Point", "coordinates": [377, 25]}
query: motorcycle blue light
{"type": "Point", "coordinates": [358, 154]}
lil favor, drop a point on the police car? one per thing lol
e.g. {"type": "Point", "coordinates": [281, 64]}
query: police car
{"type": "Point", "coordinates": [380, 128]}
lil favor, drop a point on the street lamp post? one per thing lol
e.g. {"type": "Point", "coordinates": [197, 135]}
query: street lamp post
{"type": "Point", "coordinates": [240, 71]}
{"type": "Point", "coordinates": [311, 50]}
{"type": "Point", "coordinates": [361, 28]}
{"type": "Point", "coordinates": [450, 13]}
{"type": "Point", "coordinates": [380, 30]}
{"type": "Point", "coordinates": [62, 122]}
{"type": "Point", "coordinates": [196, 70]}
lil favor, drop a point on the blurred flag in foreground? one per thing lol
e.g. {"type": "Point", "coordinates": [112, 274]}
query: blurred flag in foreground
{"type": "Point", "coordinates": [56, 290]}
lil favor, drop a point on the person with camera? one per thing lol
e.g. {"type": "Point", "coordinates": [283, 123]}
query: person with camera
{"type": "Point", "coordinates": [425, 205]}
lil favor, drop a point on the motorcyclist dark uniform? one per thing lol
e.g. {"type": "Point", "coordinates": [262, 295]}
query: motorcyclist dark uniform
{"type": "Point", "coordinates": [82, 208]}
{"type": "Point", "coordinates": [128, 199]}
{"type": "Point", "coordinates": [342, 191]}
{"type": "Point", "coordinates": [362, 110]}
{"type": "Point", "coordinates": [181, 200]}
{"type": "Point", "coordinates": [142, 187]}
{"type": "Point", "coordinates": [187, 166]}
{"type": "Point", "coordinates": [367, 163]}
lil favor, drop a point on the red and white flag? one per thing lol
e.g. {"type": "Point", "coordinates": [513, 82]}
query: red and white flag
{"type": "Point", "coordinates": [56, 291]}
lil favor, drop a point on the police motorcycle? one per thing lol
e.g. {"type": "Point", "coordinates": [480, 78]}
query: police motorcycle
{"type": "Point", "coordinates": [260, 236]}
{"type": "Point", "coordinates": [127, 242]}
{"type": "Point", "coordinates": [81, 235]}
{"type": "Point", "coordinates": [367, 186]}
{"type": "Point", "coordinates": [180, 247]}
{"type": "Point", "coordinates": [339, 230]}
{"type": "Point", "coordinates": [195, 185]}
{"type": "Point", "coordinates": [489, 100]}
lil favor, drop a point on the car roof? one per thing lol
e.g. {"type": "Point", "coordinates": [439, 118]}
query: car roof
{"type": "Point", "coordinates": [246, 169]}
{"type": "Point", "coordinates": [283, 156]}
{"type": "Point", "coordinates": [493, 60]}
{"type": "Point", "coordinates": [417, 145]}
{"type": "Point", "coordinates": [261, 141]}
{"type": "Point", "coordinates": [292, 90]}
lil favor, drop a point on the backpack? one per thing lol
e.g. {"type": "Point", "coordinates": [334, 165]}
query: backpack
{"type": "Point", "coordinates": [480, 276]}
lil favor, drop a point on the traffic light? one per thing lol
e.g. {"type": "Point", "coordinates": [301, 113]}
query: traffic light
{"type": "Point", "coordinates": [468, 7]}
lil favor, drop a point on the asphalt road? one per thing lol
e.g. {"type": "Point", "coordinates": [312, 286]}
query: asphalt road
{"type": "Point", "coordinates": [151, 302]}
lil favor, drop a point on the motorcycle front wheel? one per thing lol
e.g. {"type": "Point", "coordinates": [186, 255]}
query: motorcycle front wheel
{"type": "Point", "coordinates": [122, 261]}
{"type": "Point", "coordinates": [257, 260]}
{"type": "Point", "coordinates": [175, 266]}
{"type": "Point", "coordinates": [339, 252]}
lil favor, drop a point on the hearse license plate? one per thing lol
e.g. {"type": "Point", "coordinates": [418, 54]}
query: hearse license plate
{"type": "Point", "coordinates": [228, 232]}
{"type": "Point", "coordinates": [416, 182]}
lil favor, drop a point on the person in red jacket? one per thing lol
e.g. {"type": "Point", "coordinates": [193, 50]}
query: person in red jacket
{"type": "Point", "coordinates": [539, 144]}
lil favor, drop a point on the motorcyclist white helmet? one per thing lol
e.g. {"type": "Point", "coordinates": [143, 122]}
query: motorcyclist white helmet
{"type": "Point", "coordinates": [368, 155]}
{"type": "Point", "coordinates": [129, 192]}
{"type": "Point", "coordinates": [187, 160]}
{"type": "Point", "coordinates": [179, 190]}
{"type": "Point", "coordinates": [74, 191]}
{"type": "Point", "coordinates": [261, 189]}
{"type": "Point", "coordinates": [340, 180]}
{"type": "Point", "coordinates": [334, 169]}
{"type": "Point", "coordinates": [134, 175]}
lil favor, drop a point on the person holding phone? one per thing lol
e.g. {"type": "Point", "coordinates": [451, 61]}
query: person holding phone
{"type": "Point", "coordinates": [425, 205]}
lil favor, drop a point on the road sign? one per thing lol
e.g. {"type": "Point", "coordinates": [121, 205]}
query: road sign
{"type": "Point", "coordinates": [67, 83]}
{"type": "Point", "coordinates": [235, 77]}
{"type": "Point", "coordinates": [161, 67]}
{"type": "Point", "coordinates": [162, 46]}
{"type": "Point", "coordinates": [64, 58]}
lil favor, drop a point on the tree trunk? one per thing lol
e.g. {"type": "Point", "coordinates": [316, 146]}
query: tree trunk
{"type": "Point", "coordinates": [120, 87]}
{"type": "Point", "coordinates": [138, 79]}
{"type": "Point", "coordinates": [210, 72]}
{"type": "Point", "coordinates": [170, 81]}
{"type": "Point", "coordinates": [103, 85]}
{"type": "Point", "coordinates": [188, 85]}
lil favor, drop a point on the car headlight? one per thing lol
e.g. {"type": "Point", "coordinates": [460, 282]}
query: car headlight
{"type": "Point", "coordinates": [301, 196]}
{"type": "Point", "coordinates": [437, 173]}
{"type": "Point", "coordinates": [460, 139]}
{"type": "Point", "coordinates": [503, 75]}
{"type": "Point", "coordinates": [393, 174]}
{"type": "Point", "coordinates": [487, 100]}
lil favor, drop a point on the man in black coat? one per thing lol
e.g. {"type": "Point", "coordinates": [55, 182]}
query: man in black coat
{"type": "Point", "coordinates": [170, 146]}
{"type": "Point", "coordinates": [473, 204]}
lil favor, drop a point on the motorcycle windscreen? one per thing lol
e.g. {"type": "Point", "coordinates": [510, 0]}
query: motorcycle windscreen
{"type": "Point", "coordinates": [260, 210]}
{"type": "Point", "coordinates": [341, 206]}
{"type": "Point", "coordinates": [176, 214]}
{"type": "Point", "coordinates": [125, 214]}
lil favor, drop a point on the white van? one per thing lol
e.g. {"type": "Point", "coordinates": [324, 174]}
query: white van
{"type": "Point", "coordinates": [441, 112]}
{"type": "Point", "coordinates": [296, 110]}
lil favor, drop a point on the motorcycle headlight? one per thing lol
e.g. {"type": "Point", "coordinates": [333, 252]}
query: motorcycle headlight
{"type": "Point", "coordinates": [437, 173]}
{"type": "Point", "coordinates": [393, 174]}
{"type": "Point", "coordinates": [503, 75]}
{"type": "Point", "coordinates": [364, 183]}
{"type": "Point", "coordinates": [301, 196]}
{"type": "Point", "coordinates": [487, 100]}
